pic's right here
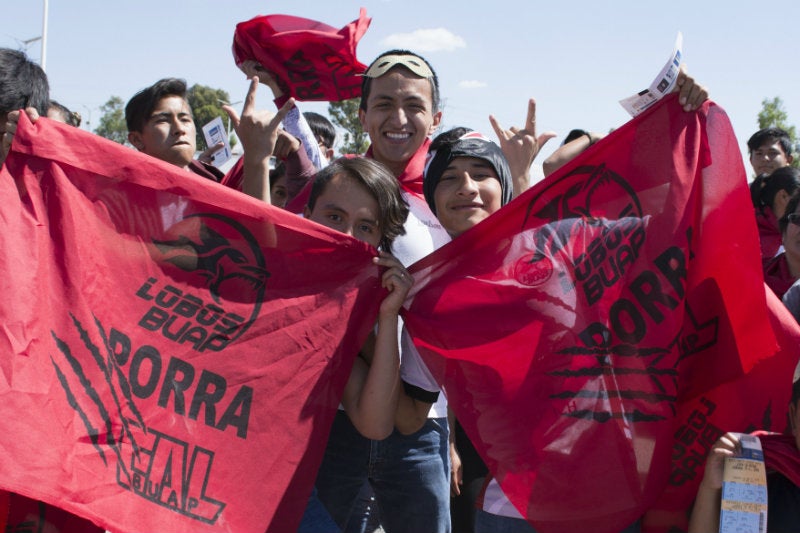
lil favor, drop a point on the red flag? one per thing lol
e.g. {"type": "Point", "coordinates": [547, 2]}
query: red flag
{"type": "Point", "coordinates": [173, 351]}
{"type": "Point", "coordinates": [569, 328]}
{"type": "Point", "coordinates": [313, 61]}
{"type": "Point", "coordinates": [756, 401]}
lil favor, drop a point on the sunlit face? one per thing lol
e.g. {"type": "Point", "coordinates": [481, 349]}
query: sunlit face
{"type": "Point", "coordinates": [347, 206]}
{"type": "Point", "coordinates": [168, 133]}
{"type": "Point", "coordinates": [468, 192]}
{"type": "Point", "coordinates": [399, 117]}
{"type": "Point", "coordinates": [769, 157]}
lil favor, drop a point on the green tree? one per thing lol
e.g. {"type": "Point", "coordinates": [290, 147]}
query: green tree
{"type": "Point", "coordinates": [112, 122]}
{"type": "Point", "coordinates": [206, 104]}
{"type": "Point", "coordinates": [773, 114]}
{"type": "Point", "coordinates": [345, 115]}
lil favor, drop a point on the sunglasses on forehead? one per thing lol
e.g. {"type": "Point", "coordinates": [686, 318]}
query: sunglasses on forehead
{"type": "Point", "coordinates": [412, 63]}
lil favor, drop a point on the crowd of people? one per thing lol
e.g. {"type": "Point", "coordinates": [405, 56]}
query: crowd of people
{"type": "Point", "coordinates": [395, 457]}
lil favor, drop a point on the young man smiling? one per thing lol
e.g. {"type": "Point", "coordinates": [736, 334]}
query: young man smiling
{"type": "Point", "coordinates": [409, 470]}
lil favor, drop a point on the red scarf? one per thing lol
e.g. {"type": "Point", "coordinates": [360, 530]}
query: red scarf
{"type": "Point", "coordinates": [411, 177]}
{"type": "Point", "coordinates": [781, 454]}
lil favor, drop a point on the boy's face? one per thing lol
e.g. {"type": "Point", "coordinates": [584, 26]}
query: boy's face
{"type": "Point", "coordinates": [347, 206]}
{"type": "Point", "coordinates": [468, 192]}
{"type": "Point", "coordinates": [168, 133]}
{"type": "Point", "coordinates": [399, 117]}
{"type": "Point", "coordinates": [769, 157]}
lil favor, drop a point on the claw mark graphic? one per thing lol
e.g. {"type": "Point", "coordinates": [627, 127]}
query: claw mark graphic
{"type": "Point", "coordinates": [96, 416]}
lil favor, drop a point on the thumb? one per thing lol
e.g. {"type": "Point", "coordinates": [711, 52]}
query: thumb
{"type": "Point", "coordinates": [233, 114]}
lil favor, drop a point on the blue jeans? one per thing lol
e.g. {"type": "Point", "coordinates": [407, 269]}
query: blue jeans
{"type": "Point", "coordinates": [409, 474]}
{"type": "Point", "coordinates": [316, 518]}
{"type": "Point", "coordinates": [492, 523]}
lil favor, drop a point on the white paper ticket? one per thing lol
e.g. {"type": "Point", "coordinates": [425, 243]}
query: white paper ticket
{"type": "Point", "coordinates": [744, 490]}
{"type": "Point", "coordinates": [662, 84]}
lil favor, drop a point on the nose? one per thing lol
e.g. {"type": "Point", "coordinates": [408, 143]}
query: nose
{"type": "Point", "coordinates": [178, 126]}
{"type": "Point", "coordinates": [467, 186]}
{"type": "Point", "coordinates": [398, 116]}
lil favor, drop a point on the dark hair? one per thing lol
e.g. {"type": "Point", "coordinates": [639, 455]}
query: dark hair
{"type": "Point", "coordinates": [139, 108]}
{"type": "Point", "coordinates": [321, 127]}
{"type": "Point", "coordinates": [770, 134]}
{"type": "Point", "coordinates": [450, 145]}
{"type": "Point", "coordinates": [70, 117]}
{"type": "Point", "coordinates": [796, 394]}
{"type": "Point", "coordinates": [765, 187]}
{"type": "Point", "coordinates": [380, 183]}
{"type": "Point", "coordinates": [574, 134]}
{"type": "Point", "coordinates": [791, 207]}
{"type": "Point", "coordinates": [23, 83]}
{"type": "Point", "coordinates": [448, 137]}
{"type": "Point", "coordinates": [366, 82]}
{"type": "Point", "coordinates": [276, 173]}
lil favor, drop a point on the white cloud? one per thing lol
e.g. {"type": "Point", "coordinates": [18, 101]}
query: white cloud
{"type": "Point", "coordinates": [431, 40]}
{"type": "Point", "coordinates": [472, 84]}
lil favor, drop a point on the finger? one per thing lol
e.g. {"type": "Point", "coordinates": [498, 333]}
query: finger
{"type": "Point", "coordinates": [500, 132]}
{"type": "Point", "coordinates": [209, 152]}
{"type": "Point", "coordinates": [250, 99]}
{"type": "Point", "coordinates": [32, 113]}
{"type": "Point", "coordinates": [233, 115]}
{"type": "Point", "coordinates": [544, 137]}
{"type": "Point", "coordinates": [530, 122]}
{"type": "Point", "coordinates": [284, 110]}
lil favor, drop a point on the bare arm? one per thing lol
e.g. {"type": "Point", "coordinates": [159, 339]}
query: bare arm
{"type": "Point", "coordinates": [705, 514]}
{"type": "Point", "coordinates": [568, 152]}
{"type": "Point", "coordinates": [371, 394]}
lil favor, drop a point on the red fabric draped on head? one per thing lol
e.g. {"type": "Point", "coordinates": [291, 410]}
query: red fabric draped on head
{"type": "Point", "coordinates": [314, 61]}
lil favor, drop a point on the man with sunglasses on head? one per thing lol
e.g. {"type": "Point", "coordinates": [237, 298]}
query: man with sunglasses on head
{"type": "Point", "coordinates": [409, 470]}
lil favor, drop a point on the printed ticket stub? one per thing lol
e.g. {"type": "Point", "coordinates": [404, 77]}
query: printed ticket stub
{"type": "Point", "coordinates": [744, 490]}
{"type": "Point", "coordinates": [214, 132]}
{"type": "Point", "coordinates": [662, 85]}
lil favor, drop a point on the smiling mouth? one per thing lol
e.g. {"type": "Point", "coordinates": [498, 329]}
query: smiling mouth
{"type": "Point", "coordinates": [397, 136]}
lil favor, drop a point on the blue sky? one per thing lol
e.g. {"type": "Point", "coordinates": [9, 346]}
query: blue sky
{"type": "Point", "coordinates": [578, 59]}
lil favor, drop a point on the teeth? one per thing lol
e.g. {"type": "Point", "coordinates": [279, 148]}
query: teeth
{"type": "Point", "coordinates": [398, 135]}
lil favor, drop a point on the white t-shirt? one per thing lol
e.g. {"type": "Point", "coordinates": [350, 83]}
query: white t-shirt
{"type": "Point", "coordinates": [423, 235]}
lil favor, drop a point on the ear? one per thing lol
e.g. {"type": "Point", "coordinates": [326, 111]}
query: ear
{"type": "Point", "coordinates": [782, 198]}
{"type": "Point", "coordinates": [437, 119]}
{"type": "Point", "coordinates": [789, 159]}
{"type": "Point", "coordinates": [329, 153]}
{"type": "Point", "coordinates": [135, 138]}
{"type": "Point", "coordinates": [361, 116]}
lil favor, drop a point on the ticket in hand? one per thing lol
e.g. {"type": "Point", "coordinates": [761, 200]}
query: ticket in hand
{"type": "Point", "coordinates": [214, 132]}
{"type": "Point", "coordinates": [744, 489]}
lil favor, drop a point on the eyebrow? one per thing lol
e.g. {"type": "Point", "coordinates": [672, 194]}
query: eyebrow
{"type": "Point", "coordinates": [334, 207]}
{"type": "Point", "coordinates": [167, 114]}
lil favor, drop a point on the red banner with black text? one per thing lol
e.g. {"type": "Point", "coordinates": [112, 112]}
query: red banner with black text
{"type": "Point", "coordinates": [172, 352]}
{"type": "Point", "coordinates": [311, 60]}
{"type": "Point", "coordinates": [572, 329]}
